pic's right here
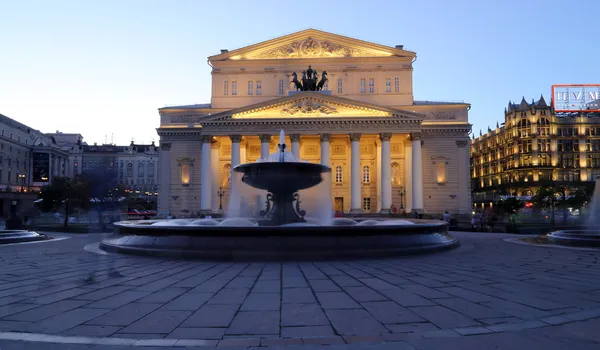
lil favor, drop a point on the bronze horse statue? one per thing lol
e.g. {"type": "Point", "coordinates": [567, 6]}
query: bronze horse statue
{"type": "Point", "coordinates": [296, 82]}
{"type": "Point", "coordinates": [322, 82]}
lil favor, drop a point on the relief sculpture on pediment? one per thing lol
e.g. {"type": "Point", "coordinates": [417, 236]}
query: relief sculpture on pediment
{"type": "Point", "coordinates": [308, 108]}
{"type": "Point", "coordinates": [308, 48]}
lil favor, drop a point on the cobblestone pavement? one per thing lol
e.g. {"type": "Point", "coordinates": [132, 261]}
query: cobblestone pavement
{"type": "Point", "coordinates": [487, 294]}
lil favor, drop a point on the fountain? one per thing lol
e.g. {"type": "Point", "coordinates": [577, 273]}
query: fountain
{"type": "Point", "coordinates": [589, 236]}
{"type": "Point", "coordinates": [296, 222]}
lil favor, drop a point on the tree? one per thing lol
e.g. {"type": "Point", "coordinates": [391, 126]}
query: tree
{"type": "Point", "coordinates": [545, 198]}
{"type": "Point", "coordinates": [511, 207]}
{"type": "Point", "coordinates": [61, 190]}
{"type": "Point", "coordinates": [102, 189]}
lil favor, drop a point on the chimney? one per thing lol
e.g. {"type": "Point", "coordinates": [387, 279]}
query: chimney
{"type": "Point", "coordinates": [401, 47]}
{"type": "Point", "coordinates": [224, 50]}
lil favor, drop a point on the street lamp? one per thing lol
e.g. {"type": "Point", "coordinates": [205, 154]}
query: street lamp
{"type": "Point", "coordinates": [401, 193]}
{"type": "Point", "coordinates": [22, 177]}
{"type": "Point", "coordinates": [220, 193]}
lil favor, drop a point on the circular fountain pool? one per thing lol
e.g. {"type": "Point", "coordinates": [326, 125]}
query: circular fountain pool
{"type": "Point", "coordinates": [244, 239]}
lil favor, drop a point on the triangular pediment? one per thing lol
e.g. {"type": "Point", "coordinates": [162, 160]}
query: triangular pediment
{"type": "Point", "coordinates": [308, 105]}
{"type": "Point", "coordinates": [311, 43]}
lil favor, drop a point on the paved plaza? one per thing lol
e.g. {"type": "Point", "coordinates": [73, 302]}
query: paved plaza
{"type": "Point", "coordinates": [487, 294]}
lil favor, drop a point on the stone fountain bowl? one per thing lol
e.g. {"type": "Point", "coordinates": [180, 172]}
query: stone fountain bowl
{"type": "Point", "coordinates": [282, 176]}
{"type": "Point", "coordinates": [242, 239]}
{"type": "Point", "coordinates": [577, 238]}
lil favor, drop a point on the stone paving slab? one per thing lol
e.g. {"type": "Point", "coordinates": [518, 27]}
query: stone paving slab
{"type": "Point", "coordinates": [484, 288]}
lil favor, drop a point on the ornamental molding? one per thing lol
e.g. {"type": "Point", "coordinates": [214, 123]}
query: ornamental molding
{"type": "Point", "coordinates": [186, 118]}
{"type": "Point", "coordinates": [441, 115]}
{"type": "Point", "coordinates": [464, 132]}
{"type": "Point", "coordinates": [310, 48]}
{"type": "Point", "coordinates": [309, 108]}
{"type": "Point", "coordinates": [332, 71]}
{"type": "Point", "coordinates": [179, 135]}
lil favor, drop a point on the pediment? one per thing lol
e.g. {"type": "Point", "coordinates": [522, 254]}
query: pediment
{"type": "Point", "coordinates": [311, 43]}
{"type": "Point", "coordinates": [313, 105]}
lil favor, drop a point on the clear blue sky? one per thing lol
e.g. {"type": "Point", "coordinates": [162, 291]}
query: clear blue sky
{"type": "Point", "coordinates": [104, 67]}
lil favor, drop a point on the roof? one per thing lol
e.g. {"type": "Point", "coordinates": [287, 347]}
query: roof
{"type": "Point", "coordinates": [429, 103]}
{"type": "Point", "coordinates": [194, 106]}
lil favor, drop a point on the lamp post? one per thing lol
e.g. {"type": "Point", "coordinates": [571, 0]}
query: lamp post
{"type": "Point", "coordinates": [22, 177]}
{"type": "Point", "coordinates": [401, 193]}
{"type": "Point", "coordinates": [220, 193]}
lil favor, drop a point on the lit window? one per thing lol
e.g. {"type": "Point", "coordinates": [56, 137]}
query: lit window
{"type": "Point", "coordinates": [371, 85]}
{"type": "Point", "coordinates": [395, 174]}
{"type": "Point", "coordinates": [226, 88]}
{"type": "Point", "coordinates": [185, 174]}
{"type": "Point", "coordinates": [366, 175]}
{"type": "Point", "coordinates": [396, 84]}
{"type": "Point", "coordinates": [440, 173]}
{"type": "Point", "coordinates": [363, 86]}
{"type": "Point", "coordinates": [250, 88]}
{"type": "Point", "coordinates": [234, 88]}
{"type": "Point", "coordinates": [281, 87]}
{"type": "Point", "coordinates": [259, 87]}
{"type": "Point", "coordinates": [338, 175]}
{"type": "Point", "coordinates": [340, 86]}
{"type": "Point", "coordinates": [367, 204]}
{"type": "Point", "coordinates": [388, 84]}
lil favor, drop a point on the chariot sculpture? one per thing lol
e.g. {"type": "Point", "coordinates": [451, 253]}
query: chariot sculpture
{"type": "Point", "coordinates": [309, 80]}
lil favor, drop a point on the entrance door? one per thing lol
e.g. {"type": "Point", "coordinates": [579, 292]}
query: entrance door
{"type": "Point", "coordinates": [338, 204]}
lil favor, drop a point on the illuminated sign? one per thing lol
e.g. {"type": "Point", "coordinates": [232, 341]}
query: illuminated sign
{"type": "Point", "coordinates": [576, 98]}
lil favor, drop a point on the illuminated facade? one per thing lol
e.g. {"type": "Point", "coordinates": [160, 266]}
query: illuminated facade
{"type": "Point", "coordinates": [386, 150]}
{"type": "Point", "coordinates": [534, 147]}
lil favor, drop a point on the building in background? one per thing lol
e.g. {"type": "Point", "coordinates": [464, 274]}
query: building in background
{"type": "Point", "coordinates": [535, 146]}
{"type": "Point", "coordinates": [29, 159]}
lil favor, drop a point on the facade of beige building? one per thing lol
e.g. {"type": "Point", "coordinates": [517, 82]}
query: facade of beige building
{"type": "Point", "coordinates": [534, 147]}
{"type": "Point", "coordinates": [386, 150]}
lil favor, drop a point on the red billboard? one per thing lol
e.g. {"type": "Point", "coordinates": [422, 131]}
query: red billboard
{"type": "Point", "coordinates": [576, 97]}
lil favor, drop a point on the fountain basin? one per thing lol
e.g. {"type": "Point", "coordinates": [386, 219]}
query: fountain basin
{"type": "Point", "coordinates": [577, 238]}
{"type": "Point", "coordinates": [20, 236]}
{"type": "Point", "coordinates": [282, 176]}
{"type": "Point", "coordinates": [288, 242]}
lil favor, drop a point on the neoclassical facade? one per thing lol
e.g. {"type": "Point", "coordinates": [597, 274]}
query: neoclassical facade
{"type": "Point", "coordinates": [386, 150]}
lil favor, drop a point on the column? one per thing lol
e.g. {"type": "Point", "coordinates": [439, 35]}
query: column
{"type": "Point", "coordinates": [407, 198]}
{"type": "Point", "coordinates": [378, 166]}
{"type": "Point", "coordinates": [205, 178]}
{"type": "Point", "coordinates": [355, 198]}
{"type": "Point", "coordinates": [295, 145]}
{"type": "Point", "coordinates": [214, 167]}
{"type": "Point", "coordinates": [265, 143]}
{"type": "Point", "coordinates": [417, 173]}
{"type": "Point", "coordinates": [386, 171]}
{"type": "Point", "coordinates": [464, 191]}
{"type": "Point", "coordinates": [164, 181]}
{"type": "Point", "coordinates": [325, 149]}
{"type": "Point", "coordinates": [234, 205]}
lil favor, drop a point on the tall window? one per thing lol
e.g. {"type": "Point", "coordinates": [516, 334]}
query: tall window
{"type": "Point", "coordinates": [543, 127]}
{"type": "Point", "coordinates": [225, 88]}
{"type": "Point", "coordinates": [340, 86]}
{"type": "Point", "coordinates": [366, 175]}
{"type": "Point", "coordinates": [281, 87]}
{"type": "Point", "coordinates": [396, 84]}
{"type": "Point", "coordinates": [141, 170]}
{"type": "Point", "coordinates": [338, 175]}
{"type": "Point", "coordinates": [363, 85]}
{"type": "Point", "coordinates": [395, 174]}
{"type": "Point", "coordinates": [259, 87]}
{"type": "Point", "coordinates": [366, 203]}
{"type": "Point", "coordinates": [129, 169]}
{"type": "Point", "coordinates": [185, 174]}
{"type": "Point", "coordinates": [151, 170]}
{"type": "Point", "coordinates": [371, 85]}
{"type": "Point", "coordinates": [250, 87]}
{"type": "Point", "coordinates": [388, 84]}
{"type": "Point", "coordinates": [524, 127]}
{"type": "Point", "coordinates": [234, 88]}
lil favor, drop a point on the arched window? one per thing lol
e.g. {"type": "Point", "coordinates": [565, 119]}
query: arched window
{"type": "Point", "coordinates": [226, 175]}
{"type": "Point", "coordinates": [524, 128]}
{"type": "Point", "coordinates": [366, 175]}
{"type": "Point", "coordinates": [151, 170]}
{"type": "Point", "coordinates": [141, 170]}
{"type": "Point", "coordinates": [395, 178]}
{"type": "Point", "coordinates": [185, 174]}
{"type": "Point", "coordinates": [338, 175]}
{"type": "Point", "coordinates": [543, 127]}
{"type": "Point", "coordinates": [129, 169]}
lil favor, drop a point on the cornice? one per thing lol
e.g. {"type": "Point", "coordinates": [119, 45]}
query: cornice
{"type": "Point", "coordinates": [331, 71]}
{"type": "Point", "coordinates": [179, 134]}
